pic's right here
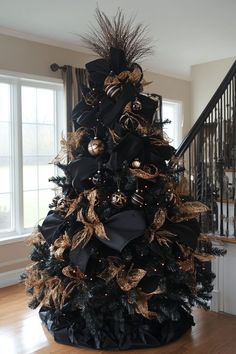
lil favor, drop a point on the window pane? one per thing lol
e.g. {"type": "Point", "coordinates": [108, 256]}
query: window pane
{"type": "Point", "coordinates": [172, 111]}
{"type": "Point", "coordinates": [45, 106]}
{"type": "Point", "coordinates": [30, 209]}
{"type": "Point", "coordinates": [46, 140]}
{"type": "Point", "coordinates": [4, 174]}
{"type": "Point", "coordinates": [29, 132]}
{"type": "Point", "coordinates": [5, 212]}
{"type": "Point", "coordinates": [29, 104]}
{"type": "Point", "coordinates": [44, 173]}
{"type": "Point", "coordinates": [38, 150]}
{"type": "Point", "coordinates": [4, 139]}
{"type": "Point", "coordinates": [45, 198]}
{"type": "Point", "coordinates": [5, 159]}
{"type": "Point", "coordinates": [30, 173]}
{"type": "Point", "coordinates": [4, 102]}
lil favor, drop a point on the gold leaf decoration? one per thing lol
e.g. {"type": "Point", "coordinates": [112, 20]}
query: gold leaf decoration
{"type": "Point", "coordinates": [186, 265]}
{"type": "Point", "coordinates": [73, 272]}
{"type": "Point", "coordinates": [60, 245]}
{"type": "Point", "coordinates": [141, 303]}
{"type": "Point", "coordinates": [70, 145]}
{"type": "Point", "coordinates": [91, 222]}
{"type": "Point", "coordinates": [128, 280]}
{"type": "Point", "coordinates": [203, 257]}
{"type": "Point", "coordinates": [159, 218]}
{"type": "Point", "coordinates": [188, 210]}
{"type": "Point", "coordinates": [114, 267]}
{"type": "Point", "coordinates": [74, 204]}
{"type": "Point", "coordinates": [148, 172]}
{"type": "Point", "coordinates": [35, 238]}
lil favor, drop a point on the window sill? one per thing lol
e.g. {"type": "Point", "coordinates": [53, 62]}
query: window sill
{"type": "Point", "coordinates": [13, 239]}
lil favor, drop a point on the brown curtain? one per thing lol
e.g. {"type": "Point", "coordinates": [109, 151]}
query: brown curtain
{"type": "Point", "coordinates": [73, 78]}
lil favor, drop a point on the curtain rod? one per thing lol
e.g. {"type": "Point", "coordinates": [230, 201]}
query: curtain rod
{"type": "Point", "coordinates": [54, 67]}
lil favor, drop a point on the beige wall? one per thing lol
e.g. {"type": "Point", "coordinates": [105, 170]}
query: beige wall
{"type": "Point", "coordinates": [205, 79]}
{"type": "Point", "coordinates": [173, 89]}
{"type": "Point", "coordinates": [34, 58]}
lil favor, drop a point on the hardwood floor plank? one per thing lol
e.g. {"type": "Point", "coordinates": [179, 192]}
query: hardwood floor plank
{"type": "Point", "coordinates": [21, 332]}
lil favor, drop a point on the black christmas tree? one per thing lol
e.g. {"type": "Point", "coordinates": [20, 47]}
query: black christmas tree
{"type": "Point", "coordinates": [117, 262]}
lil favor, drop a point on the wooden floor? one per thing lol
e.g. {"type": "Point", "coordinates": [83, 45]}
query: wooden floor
{"type": "Point", "coordinates": [21, 332]}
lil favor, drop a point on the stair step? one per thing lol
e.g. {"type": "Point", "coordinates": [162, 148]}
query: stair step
{"type": "Point", "coordinates": [225, 239]}
{"type": "Point", "coordinates": [231, 169]}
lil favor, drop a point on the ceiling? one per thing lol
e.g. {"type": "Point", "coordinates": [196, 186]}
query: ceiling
{"type": "Point", "coordinates": [184, 32]}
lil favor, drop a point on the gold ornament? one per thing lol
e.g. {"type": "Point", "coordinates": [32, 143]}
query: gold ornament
{"type": "Point", "coordinates": [96, 147]}
{"type": "Point", "coordinates": [118, 199]}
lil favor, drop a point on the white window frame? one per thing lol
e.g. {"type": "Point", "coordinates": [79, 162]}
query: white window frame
{"type": "Point", "coordinates": [16, 80]}
{"type": "Point", "coordinates": [178, 125]}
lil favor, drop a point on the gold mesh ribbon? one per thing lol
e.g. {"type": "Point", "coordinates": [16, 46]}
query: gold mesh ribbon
{"type": "Point", "coordinates": [159, 219]}
{"type": "Point", "coordinates": [126, 279]}
{"type": "Point", "coordinates": [60, 245]}
{"type": "Point", "coordinates": [133, 76]}
{"type": "Point", "coordinates": [186, 265]}
{"type": "Point", "coordinates": [35, 238]}
{"type": "Point", "coordinates": [91, 222]}
{"type": "Point", "coordinates": [113, 268]}
{"type": "Point", "coordinates": [148, 172]}
{"type": "Point", "coordinates": [187, 210]}
{"type": "Point", "coordinates": [70, 145]}
{"type": "Point", "coordinates": [141, 303]}
{"type": "Point", "coordinates": [74, 272]}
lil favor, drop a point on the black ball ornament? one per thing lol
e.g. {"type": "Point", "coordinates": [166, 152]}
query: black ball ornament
{"type": "Point", "coordinates": [129, 122]}
{"type": "Point", "coordinates": [96, 147]}
{"type": "Point", "coordinates": [136, 105]}
{"type": "Point", "coordinates": [118, 199]}
{"type": "Point", "coordinates": [98, 179]}
{"type": "Point", "coordinates": [137, 199]}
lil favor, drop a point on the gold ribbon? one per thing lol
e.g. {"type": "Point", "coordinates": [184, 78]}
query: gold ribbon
{"type": "Point", "coordinates": [69, 145]}
{"type": "Point", "coordinates": [148, 172]}
{"type": "Point", "coordinates": [126, 279]}
{"type": "Point", "coordinates": [133, 76]}
{"type": "Point", "coordinates": [91, 222]}
{"type": "Point", "coordinates": [60, 245]}
{"type": "Point", "coordinates": [141, 303]}
{"type": "Point", "coordinates": [35, 238]}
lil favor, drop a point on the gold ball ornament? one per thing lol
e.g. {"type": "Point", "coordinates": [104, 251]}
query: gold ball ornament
{"type": "Point", "coordinates": [96, 147]}
{"type": "Point", "coordinates": [118, 199]}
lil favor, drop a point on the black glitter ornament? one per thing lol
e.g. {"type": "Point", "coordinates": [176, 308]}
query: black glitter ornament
{"type": "Point", "coordinates": [137, 199]}
{"type": "Point", "coordinates": [136, 105]}
{"type": "Point", "coordinates": [113, 90]}
{"type": "Point", "coordinates": [129, 122]}
{"type": "Point", "coordinates": [98, 179]}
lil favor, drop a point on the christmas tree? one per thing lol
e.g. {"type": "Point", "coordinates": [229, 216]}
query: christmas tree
{"type": "Point", "coordinates": [118, 262]}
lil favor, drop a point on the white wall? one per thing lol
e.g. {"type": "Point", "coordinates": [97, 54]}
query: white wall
{"type": "Point", "coordinates": [205, 79]}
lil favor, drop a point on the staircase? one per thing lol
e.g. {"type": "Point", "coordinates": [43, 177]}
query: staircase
{"type": "Point", "coordinates": [208, 154]}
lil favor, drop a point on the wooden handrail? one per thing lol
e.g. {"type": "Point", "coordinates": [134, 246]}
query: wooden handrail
{"type": "Point", "coordinates": [204, 115]}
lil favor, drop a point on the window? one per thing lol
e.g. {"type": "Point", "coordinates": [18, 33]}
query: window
{"type": "Point", "coordinates": [172, 111]}
{"type": "Point", "coordinates": [31, 121]}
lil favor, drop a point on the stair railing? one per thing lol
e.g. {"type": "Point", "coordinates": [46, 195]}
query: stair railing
{"type": "Point", "coordinates": [208, 154]}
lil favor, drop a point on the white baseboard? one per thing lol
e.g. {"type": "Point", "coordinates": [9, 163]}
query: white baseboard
{"type": "Point", "coordinates": [10, 278]}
